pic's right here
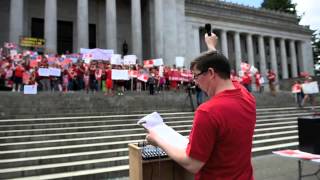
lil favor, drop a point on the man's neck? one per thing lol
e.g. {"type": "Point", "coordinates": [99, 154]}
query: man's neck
{"type": "Point", "coordinates": [224, 85]}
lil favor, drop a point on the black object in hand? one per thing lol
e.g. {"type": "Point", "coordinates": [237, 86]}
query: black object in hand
{"type": "Point", "coordinates": [208, 29]}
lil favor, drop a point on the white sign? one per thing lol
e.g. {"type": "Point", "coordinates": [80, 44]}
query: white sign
{"type": "Point", "coordinates": [98, 54]}
{"type": "Point", "coordinates": [30, 89]}
{"type": "Point", "coordinates": [158, 62]}
{"type": "Point", "coordinates": [118, 74]}
{"type": "Point", "coordinates": [13, 53]}
{"type": "Point", "coordinates": [179, 61]}
{"type": "Point", "coordinates": [55, 72]}
{"type": "Point", "coordinates": [310, 88]}
{"type": "Point", "coordinates": [161, 70]}
{"type": "Point", "coordinates": [130, 59]}
{"type": "Point", "coordinates": [116, 59]}
{"type": "Point", "coordinates": [44, 72]}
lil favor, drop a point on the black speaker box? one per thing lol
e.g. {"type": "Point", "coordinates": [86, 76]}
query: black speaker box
{"type": "Point", "coordinates": [309, 134]}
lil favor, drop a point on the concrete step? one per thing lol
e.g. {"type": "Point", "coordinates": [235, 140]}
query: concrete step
{"type": "Point", "coordinates": [60, 147]}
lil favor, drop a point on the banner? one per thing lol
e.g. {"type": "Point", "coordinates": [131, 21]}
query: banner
{"type": "Point", "coordinates": [98, 54]}
{"type": "Point", "coordinates": [55, 72]}
{"type": "Point", "coordinates": [32, 42]}
{"type": "Point", "coordinates": [44, 72]}
{"type": "Point", "coordinates": [118, 74]}
{"type": "Point", "coordinates": [310, 88]}
{"type": "Point", "coordinates": [179, 61]}
{"type": "Point", "coordinates": [129, 59]}
{"type": "Point", "coordinates": [30, 89]}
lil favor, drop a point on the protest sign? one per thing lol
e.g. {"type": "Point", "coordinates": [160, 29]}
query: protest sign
{"type": "Point", "coordinates": [129, 59]}
{"type": "Point", "coordinates": [55, 72]}
{"type": "Point", "coordinates": [148, 63]}
{"type": "Point", "coordinates": [310, 88]}
{"type": "Point", "coordinates": [118, 74]}
{"type": "Point", "coordinates": [30, 89]}
{"type": "Point", "coordinates": [44, 72]}
{"type": "Point", "coordinates": [158, 62]}
{"type": "Point", "coordinates": [143, 77]}
{"type": "Point", "coordinates": [116, 59]}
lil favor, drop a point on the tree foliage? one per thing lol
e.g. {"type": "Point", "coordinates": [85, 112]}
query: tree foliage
{"type": "Point", "coordinates": [280, 5]}
{"type": "Point", "coordinates": [316, 46]}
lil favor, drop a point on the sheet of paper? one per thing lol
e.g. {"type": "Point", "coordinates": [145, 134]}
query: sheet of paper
{"type": "Point", "coordinates": [155, 122]}
{"type": "Point", "coordinates": [296, 154]}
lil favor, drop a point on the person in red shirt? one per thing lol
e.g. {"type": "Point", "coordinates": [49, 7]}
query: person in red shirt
{"type": "Point", "coordinates": [258, 76]}
{"type": "Point", "coordinates": [220, 141]}
{"type": "Point", "coordinates": [272, 80]}
{"type": "Point", "coordinates": [18, 74]}
{"type": "Point", "coordinates": [246, 81]}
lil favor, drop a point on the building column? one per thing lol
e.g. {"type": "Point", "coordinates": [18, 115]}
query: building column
{"type": "Point", "coordinates": [237, 50]}
{"type": "Point", "coordinates": [250, 49]}
{"type": "Point", "coordinates": [158, 9]}
{"type": "Point", "coordinates": [224, 43]}
{"type": "Point", "coordinates": [83, 24]}
{"type": "Point", "coordinates": [50, 26]}
{"type": "Point", "coordinates": [111, 25]}
{"type": "Point", "coordinates": [273, 57]}
{"type": "Point", "coordinates": [305, 57]}
{"type": "Point", "coordinates": [293, 55]}
{"type": "Point", "coordinates": [136, 28]}
{"type": "Point", "coordinates": [284, 63]}
{"type": "Point", "coordinates": [262, 55]}
{"type": "Point", "coordinates": [16, 21]}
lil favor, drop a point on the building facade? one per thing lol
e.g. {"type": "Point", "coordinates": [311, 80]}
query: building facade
{"type": "Point", "coordinates": [164, 29]}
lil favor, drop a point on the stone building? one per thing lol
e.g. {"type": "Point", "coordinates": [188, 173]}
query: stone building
{"type": "Point", "coordinates": [163, 29]}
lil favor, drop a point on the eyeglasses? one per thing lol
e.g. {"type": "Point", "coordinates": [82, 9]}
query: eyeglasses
{"type": "Point", "coordinates": [196, 76]}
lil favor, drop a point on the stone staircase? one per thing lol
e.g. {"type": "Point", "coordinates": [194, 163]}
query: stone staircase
{"type": "Point", "coordinates": [96, 147]}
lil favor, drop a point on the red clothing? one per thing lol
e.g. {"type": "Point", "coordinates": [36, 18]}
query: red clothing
{"type": "Point", "coordinates": [222, 135]}
{"type": "Point", "coordinates": [246, 80]}
{"type": "Point", "coordinates": [271, 76]}
{"type": "Point", "coordinates": [19, 72]}
{"type": "Point", "coordinates": [258, 77]}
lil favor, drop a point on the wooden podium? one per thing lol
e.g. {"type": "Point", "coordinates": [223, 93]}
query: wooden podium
{"type": "Point", "coordinates": [156, 169]}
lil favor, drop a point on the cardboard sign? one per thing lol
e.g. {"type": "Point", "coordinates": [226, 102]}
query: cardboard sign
{"type": "Point", "coordinates": [30, 89]}
{"type": "Point", "coordinates": [44, 72]}
{"type": "Point", "coordinates": [55, 72]}
{"type": "Point", "coordinates": [116, 59]}
{"type": "Point", "coordinates": [129, 59]}
{"type": "Point", "coordinates": [118, 74]}
{"type": "Point", "coordinates": [158, 62]}
{"type": "Point", "coordinates": [143, 77]}
{"type": "Point", "coordinates": [310, 88]}
{"type": "Point", "coordinates": [148, 63]}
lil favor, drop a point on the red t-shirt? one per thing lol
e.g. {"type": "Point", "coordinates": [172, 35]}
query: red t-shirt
{"type": "Point", "coordinates": [222, 135]}
{"type": "Point", "coordinates": [19, 72]}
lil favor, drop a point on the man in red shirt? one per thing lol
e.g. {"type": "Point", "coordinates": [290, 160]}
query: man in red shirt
{"type": "Point", "coordinates": [220, 141]}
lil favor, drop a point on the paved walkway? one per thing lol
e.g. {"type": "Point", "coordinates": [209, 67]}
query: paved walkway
{"type": "Point", "coordinates": [272, 167]}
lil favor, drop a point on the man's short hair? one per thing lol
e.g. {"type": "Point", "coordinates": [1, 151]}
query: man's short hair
{"type": "Point", "coordinates": [214, 60]}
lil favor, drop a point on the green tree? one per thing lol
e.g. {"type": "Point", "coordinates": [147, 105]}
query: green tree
{"type": "Point", "coordinates": [316, 46]}
{"type": "Point", "coordinates": [280, 5]}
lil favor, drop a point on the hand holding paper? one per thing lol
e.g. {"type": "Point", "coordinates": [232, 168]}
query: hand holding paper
{"type": "Point", "coordinates": [155, 123]}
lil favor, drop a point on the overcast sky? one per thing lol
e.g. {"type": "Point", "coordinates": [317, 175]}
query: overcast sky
{"type": "Point", "coordinates": [310, 8]}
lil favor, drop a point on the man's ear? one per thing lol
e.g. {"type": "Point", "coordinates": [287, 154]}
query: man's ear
{"type": "Point", "coordinates": [211, 72]}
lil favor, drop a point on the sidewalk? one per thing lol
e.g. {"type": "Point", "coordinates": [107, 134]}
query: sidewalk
{"type": "Point", "coordinates": [272, 167]}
